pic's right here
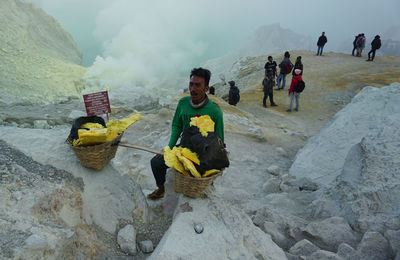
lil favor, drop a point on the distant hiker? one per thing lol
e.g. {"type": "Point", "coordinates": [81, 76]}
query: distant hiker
{"type": "Point", "coordinates": [293, 92]}
{"type": "Point", "coordinates": [322, 40]}
{"type": "Point", "coordinates": [355, 43]}
{"type": "Point", "coordinates": [196, 104]}
{"type": "Point", "coordinates": [211, 90]}
{"type": "Point", "coordinates": [268, 88]}
{"type": "Point", "coordinates": [375, 45]}
{"type": "Point", "coordinates": [234, 94]}
{"type": "Point", "coordinates": [360, 44]}
{"type": "Point", "coordinates": [298, 65]}
{"type": "Point", "coordinates": [270, 66]}
{"type": "Point", "coordinates": [286, 67]}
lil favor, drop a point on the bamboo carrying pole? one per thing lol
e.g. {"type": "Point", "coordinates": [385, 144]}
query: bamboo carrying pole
{"type": "Point", "coordinates": [140, 147]}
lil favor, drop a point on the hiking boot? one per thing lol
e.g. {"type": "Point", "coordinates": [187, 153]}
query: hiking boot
{"type": "Point", "coordinates": [274, 105]}
{"type": "Point", "coordinates": [264, 105]}
{"type": "Point", "coordinates": [157, 194]}
{"type": "Point", "coordinates": [289, 110]}
{"type": "Point", "coordinates": [368, 60]}
{"type": "Point", "coordinates": [296, 109]}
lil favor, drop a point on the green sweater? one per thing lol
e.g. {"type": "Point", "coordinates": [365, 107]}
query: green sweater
{"type": "Point", "coordinates": [184, 111]}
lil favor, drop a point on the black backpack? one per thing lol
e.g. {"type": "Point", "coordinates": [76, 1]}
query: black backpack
{"type": "Point", "coordinates": [210, 149]}
{"type": "Point", "coordinates": [300, 86]}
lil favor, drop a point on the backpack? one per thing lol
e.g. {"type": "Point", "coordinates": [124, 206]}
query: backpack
{"type": "Point", "coordinates": [237, 96]}
{"type": "Point", "coordinates": [210, 150]}
{"type": "Point", "coordinates": [300, 86]}
{"type": "Point", "coordinates": [286, 68]}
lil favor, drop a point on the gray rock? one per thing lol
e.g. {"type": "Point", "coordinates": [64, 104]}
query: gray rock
{"type": "Point", "coordinates": [397, 256]}
{"type": "Point", "coordinates": [281, 151]}
{"type": "Point", "coordinates": [272, 185]}
{"type": "Point", "coordinates": [394, 240]}
{"type": "Point", "coordinates": [75, 114]}
{"type": "Point", "coordinates": [346, 252]}
{"type": "Point", "coordinates": [127, 239]}
{"type": "Point", "coordinates": [290, 256]}
{"type": "Point", "coordinates": [274, 170]}
{"type": "Point", "coordinates": [146, 246]}
{"type": "Point", "coordinates": [36, 241]}
{"type": "Point", "coordinates": [304, 248]}
{"type": "Point", "coordinates": [198, 228]}
{"type": "Point", "coordinates": [277, 236]}
{"type": "Point", "coordinates": [330, 233]}
{"type": "Point", "coordinates": [41, 124]}
{"type": "Point", "coordinates": [324, 255]}
{"type": "Point", "coordinates": [374, 246]}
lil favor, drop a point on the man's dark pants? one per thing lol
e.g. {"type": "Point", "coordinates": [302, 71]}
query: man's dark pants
{"type": "Point", "coordinates": [373, 54]}
{"type": "Point", "coordinates": [271, 97]}
{"type": "Point", "coordinates": [159, 170]}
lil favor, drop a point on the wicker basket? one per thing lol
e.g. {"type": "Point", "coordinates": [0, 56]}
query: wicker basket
{"type": "Point", "coordinates": [190, 186]}
{"type": "Point", "coordinates": [96, 156]}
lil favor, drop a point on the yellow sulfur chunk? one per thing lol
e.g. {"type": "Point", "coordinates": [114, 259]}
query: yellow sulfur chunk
{"type": "Point", "coordinates": [188, 164]}
{"type": "Point", "coordinates": [171, 160]}
{"type": "Point", "coordinates": [190, 155]}
{"type": "Point", "coordinates": [210, 172]}
{"type": "Point", "coordinates": [115, 127]}
{"type": "Point", "coordinates": [91, 137]}
{"type": "Point", "coordinates": [204, 123]}
{"type": "Point", "coordinates": [92, 125]}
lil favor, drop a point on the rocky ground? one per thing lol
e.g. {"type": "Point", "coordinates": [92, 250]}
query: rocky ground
{"type": "Point", "coordinates": [258, 209]}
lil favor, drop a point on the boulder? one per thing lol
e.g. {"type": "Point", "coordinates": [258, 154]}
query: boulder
{"type": "Point", "coordinates": [146, 246]}
{"type": "Point", "coordinates": [325, 255]}
{"type": "Point", "coordinates": [303, 248]}
{"type": "Point", "coordinates": [346, 252]}
{"type": "Point", "coordinates": [374, 246]}
{"type": "Point", "coordinates": [394, 239]}
{"type": "Point", "coordinates": [127, 240]}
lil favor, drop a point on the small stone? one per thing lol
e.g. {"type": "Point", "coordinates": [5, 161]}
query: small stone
{"type": "Point", "coordinates": [272, 185]}
{"type": "Point", "coordinates": [326, 255]}
{"type": "Point", "coordinates": [303, 247]}
{"type": "Point", "coordinates": [198, 228]}
{"type": "Point", "coordinates": [127, 239]}
{"type": "Point", "coordinates": [146, 246]}
{"type": "Point", "coordinates": [274, 170]}
{"type": "Point", "coordinates": [41, 124]}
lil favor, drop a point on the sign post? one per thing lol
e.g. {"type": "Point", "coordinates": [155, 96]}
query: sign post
{"type": "Point", "coordinates": [97, 103]}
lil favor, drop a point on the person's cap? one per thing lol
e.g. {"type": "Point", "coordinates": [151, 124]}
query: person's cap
{"type": "Point", "coordinates": [232, 83]}
{"type": "Point", "coordinates": [297, 71]}
{"type": "Point", "coordinates": [269, 57]}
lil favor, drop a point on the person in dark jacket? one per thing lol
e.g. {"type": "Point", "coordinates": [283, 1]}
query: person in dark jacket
{"type": "Point", "coordinates": [268, 88]}
{"type": "Point", "coordinates": [270, 66]}
{"type": "Point", "coordinates": [360, 44]}
{"type": "Point", "coordinates": [234, 94]}
{"type": "Point", "coordinates": [286, 67]}
{"type": "Point", "coordinates": [322, 40]}
{"type": "Point", "coordinates": [355, 44]}
{"type": "Point", "coordinates": [375, 45]}
{"type": "Point", "coordinates": [298, 65]}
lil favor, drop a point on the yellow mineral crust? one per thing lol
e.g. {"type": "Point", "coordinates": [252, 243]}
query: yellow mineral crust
{"type": "Point", "coordinates": [204, 123]}
{"type": "Point", "coordinates": [172, 161]}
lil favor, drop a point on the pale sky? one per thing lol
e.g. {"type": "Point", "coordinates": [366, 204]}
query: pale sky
{"type": "Point", "coordinates": [200, 30]}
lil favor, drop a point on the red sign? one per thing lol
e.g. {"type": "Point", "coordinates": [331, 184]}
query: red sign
{"type": "Point", "coordinates": [97, 103]}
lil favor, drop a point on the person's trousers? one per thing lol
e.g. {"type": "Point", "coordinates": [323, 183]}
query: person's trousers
{"type": "Point", "coordinates": [271, 97]}
{"type": "Point", "coordinates": [359, 51]}
{"type": "Point", "coordinates": [373, 54]}
{"type": "Point", "coordinates": [293, 96]}
{"type": "Point", "coordinates": [354, 49]}
{"type": "Point", "coordinates": [319, 51]}
{"type": "Point", "coordinates": [281, 77]}
{"type": "Point", "coordinates": [159, 170]}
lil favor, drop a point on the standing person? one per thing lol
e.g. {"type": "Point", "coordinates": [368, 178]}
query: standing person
{"type": "Point", "coordinates": [292, 92]}
{"type": "Point", "coordinates": [375, 45]}
{"type": "Point", "coordinates": [360, 44]}
{"type": "Point", "coordinates": [322, 40]}
{"type": "Point", "coordinates": [195, 104]}
{"type": "Point", "coordinates": [285, 68]}
{"type": "Point", "coordinates": [298, 65]}
{"type": "Point", "coordinates": [355, 43]}
{"type": "Point", "coordinates": [211, 90]}
{"type": "Point", "coordinates": [270, 66]}
{"type": "Point", "coordinates": [268, 88]}
{"type": "Point", "coordinates": [234, 93]}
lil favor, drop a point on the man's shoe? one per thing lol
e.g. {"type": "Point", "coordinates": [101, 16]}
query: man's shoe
{"type": "Point", "coordinates": [156, 195]}
{"type": "Point", "coordinates": [264, 105]}
{"type": "Point", "coordinates": [274, 105]}
{"type": "Point", "coordinates": [289, 110]}
{"type": "Point", "coordinates": [296, 109]}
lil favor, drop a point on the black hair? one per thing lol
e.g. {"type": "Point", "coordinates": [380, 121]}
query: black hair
{"type": "Point", "coordinates": [298, 57]}
{"type": "Point", "coordinates": [269, 57]}
{"type": "Point", "coordinates": [203, 73]}
{"type": "Point", "coordinates": [287, 55]}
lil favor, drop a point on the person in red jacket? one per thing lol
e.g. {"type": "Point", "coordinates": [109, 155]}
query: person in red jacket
{"type": "Point", "coordinates": [292, 92]}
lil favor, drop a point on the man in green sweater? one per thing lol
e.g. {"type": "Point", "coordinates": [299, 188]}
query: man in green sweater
{"type": "Point", "coordinates": [197, 104]}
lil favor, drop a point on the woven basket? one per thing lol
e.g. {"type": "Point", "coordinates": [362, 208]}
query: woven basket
{"type": "Point", "coordinates": [96, 156]}
{"type": "Point", "coordinates": [190, 186]}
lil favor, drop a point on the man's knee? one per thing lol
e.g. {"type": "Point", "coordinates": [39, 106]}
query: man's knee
{"type": "Point", "coordinates": [157, 162]}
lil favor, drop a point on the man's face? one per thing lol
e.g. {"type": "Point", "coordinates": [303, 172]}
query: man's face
{"type": "Point", "coordinates": [198, 89]}
{"type": "Point", "coordinates": [270, 59]}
